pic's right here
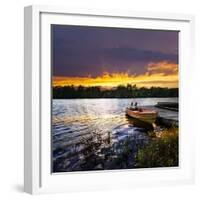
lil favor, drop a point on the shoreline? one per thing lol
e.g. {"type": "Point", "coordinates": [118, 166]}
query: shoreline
{"type": "Point", "coordinates": [114, 97]}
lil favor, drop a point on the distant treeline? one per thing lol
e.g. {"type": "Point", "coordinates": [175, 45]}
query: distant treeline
{"type": "Point", "coordinates": [129, 91]}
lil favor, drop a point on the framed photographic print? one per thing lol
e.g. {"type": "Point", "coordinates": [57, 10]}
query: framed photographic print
{"type": "Point", "coordinates": [106, 102]}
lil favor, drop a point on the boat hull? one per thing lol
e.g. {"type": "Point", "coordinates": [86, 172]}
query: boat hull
{"type": "Point", "coordinates": [145, 116]}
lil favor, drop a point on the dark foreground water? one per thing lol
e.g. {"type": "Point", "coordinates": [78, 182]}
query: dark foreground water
{"type": "Point", "coordinates": [95, 134]}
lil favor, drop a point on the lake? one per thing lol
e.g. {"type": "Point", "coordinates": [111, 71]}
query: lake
{"type": "Point", "coordinates": [90, 134]}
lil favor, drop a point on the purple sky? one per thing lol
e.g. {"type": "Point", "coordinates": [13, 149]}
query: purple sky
{"type": "Point", "coordinates": [83, 50]}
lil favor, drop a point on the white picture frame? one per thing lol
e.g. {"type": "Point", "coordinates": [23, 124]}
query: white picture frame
{"type": "Point", "coordinates": [37, 140]}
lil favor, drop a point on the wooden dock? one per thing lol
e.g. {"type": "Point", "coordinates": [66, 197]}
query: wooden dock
{"type": "Point", "coordinates": [168, 113]}
{"type": "Point", "coordinates": [167, 117]}
{"type": "Point", "coordinates": [168, 106]}
{"type": "Point", "coordinates": [167, 122]}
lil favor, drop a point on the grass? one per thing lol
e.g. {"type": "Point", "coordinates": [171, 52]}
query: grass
{"type": "Point", "coordinates": [161, 152]}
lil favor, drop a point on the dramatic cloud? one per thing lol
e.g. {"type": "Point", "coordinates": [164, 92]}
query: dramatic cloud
{"type": "Point", "coordinates": [141, 55]}
{"type": "Point", "coordinates": [163, 67]}
{"type": "Point", "coordinates": [80, 50]}
{"type": "Point", "coordinates": [161, 74]}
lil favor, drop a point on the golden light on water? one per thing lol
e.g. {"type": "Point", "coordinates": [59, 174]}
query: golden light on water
{"type": "Point", "coordinates": [162, 74]}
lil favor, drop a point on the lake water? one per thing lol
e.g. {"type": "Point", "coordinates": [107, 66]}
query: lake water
{"type": "Point", "coordinates": [88, 134]}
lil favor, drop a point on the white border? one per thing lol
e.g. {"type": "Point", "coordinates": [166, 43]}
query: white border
{"type": "Point", "coordinates": [38, 177]}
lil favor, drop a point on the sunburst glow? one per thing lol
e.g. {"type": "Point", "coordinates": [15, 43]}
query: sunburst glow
{"type": "Point", "coordinates": [162, 74]}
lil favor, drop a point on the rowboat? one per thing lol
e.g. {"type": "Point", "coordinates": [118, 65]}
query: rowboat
{"type": "Point", "coordinates": [145, 115]}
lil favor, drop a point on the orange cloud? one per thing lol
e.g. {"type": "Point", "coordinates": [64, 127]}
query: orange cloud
{"type": "Point", "coordinates": [163, 67]}
{"type": "Point", "coordinates": [161, 74]}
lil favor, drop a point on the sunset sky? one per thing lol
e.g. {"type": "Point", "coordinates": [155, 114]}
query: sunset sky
{"type": "Point", "coordinates": [107, 57]}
